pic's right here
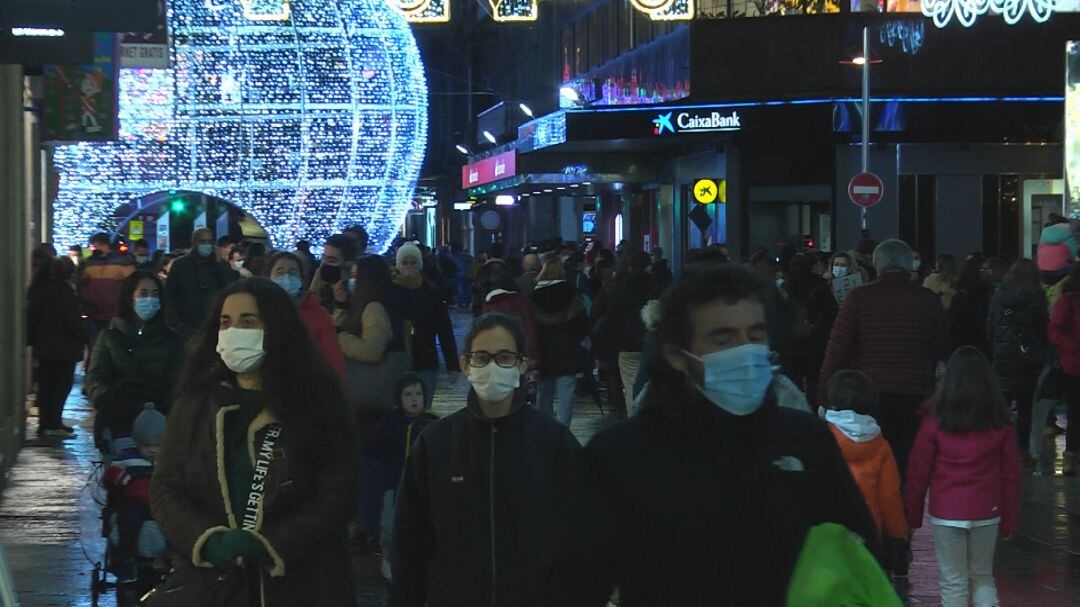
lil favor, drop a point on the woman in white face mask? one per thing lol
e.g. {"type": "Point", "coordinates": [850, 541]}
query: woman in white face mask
{"type": "Point", "coordinates": [254, 483]}
{"type": "Point", "coordinates": [491, 482]}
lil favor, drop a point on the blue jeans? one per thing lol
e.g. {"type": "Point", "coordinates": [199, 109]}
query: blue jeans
{"type": "Point", "coordinates": [563, 386]}
{"type": "Point", "coordinates": [428, 377]}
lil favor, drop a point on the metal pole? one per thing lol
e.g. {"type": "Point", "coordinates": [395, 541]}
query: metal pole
{"type": "Point", "coordinates": [866, 115]}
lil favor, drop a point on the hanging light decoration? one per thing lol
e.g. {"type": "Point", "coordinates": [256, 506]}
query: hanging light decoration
{"type": "Point", "coordinates": [666, 10]}
{"type": "Point", "coordinates": [309, 124]}
{"type": "Point", "coordinates": [966, 11]}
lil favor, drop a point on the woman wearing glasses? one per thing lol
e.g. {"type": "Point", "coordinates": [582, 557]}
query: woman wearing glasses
{"type": "Point", "coordinates": [483, 502]}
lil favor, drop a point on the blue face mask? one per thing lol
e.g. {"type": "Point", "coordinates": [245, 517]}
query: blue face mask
{"type": "Point", "coordinates": [351, 286]}
{"type": "Point", "coordinates": [147, 308]}
{"type": "Point", "coordinates": [737, 379]}
{"type": "Point", "coordinates": [205, 250]}
{"type": "Point", "coordinates": [290, 283]}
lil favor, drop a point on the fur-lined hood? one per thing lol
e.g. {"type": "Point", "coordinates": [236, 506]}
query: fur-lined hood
{"type": "Point", "coordinates": [651, 314]}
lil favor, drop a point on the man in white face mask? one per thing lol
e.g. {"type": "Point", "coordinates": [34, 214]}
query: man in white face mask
{"type": "Point", "coordinates": [486, 491]}
{"type": "Point", "coordinates": [725, 483]}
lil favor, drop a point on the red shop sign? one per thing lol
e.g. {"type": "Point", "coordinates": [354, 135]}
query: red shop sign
{"type": "Point", "coordinates": [490, 169]}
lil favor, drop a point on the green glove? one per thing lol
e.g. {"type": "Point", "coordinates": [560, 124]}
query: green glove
{"type": "Point", "coordinates": [222, 549]}
{"type": "Point", "coordinates": [216, 552]}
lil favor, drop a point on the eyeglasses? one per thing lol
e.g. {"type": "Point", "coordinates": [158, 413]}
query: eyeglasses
{"type": "Point", "coordinates": [504, 358]}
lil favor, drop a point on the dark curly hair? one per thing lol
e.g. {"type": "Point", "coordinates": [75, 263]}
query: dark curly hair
{"type": "Point", "coordinates": [298, 385]}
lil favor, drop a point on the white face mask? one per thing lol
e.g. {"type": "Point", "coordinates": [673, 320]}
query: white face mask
{"type": "Point", "coordinates": [241, 349]}
{"type": "Point", "coordinates": [494, 383]}
{"type": "Point", "coordinates": [839, 271]}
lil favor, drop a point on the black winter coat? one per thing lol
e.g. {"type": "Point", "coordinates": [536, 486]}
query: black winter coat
{"type": "Point", "coordinates": [425, 313]}
{"type": "Point", "coordinates": [1017, 333]}
{"type": "Point", "coordinates": [481, 508]}
{"type": "Point", "coordinates": [622, 320]}
{"type": "Point", "coordinates": [967, 318]}
{"type": "Point", "coordinates": [192, 287]}
{"type": "Point", "coordinates": [562, 325]}
{"type": "Point", "coordinates": [54, 324]}
{"type": "Point", "coordinates": [688, 505]}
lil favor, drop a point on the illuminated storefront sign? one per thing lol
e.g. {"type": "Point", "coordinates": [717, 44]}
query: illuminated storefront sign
{"type": "Point", "coordinates": [696, 122]}
{"type": "Point", "coordinates": [496, 168]}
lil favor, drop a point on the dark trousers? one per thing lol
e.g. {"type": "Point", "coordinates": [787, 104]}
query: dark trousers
{"type": "Point", "coordinates": [1072, 402]}
{"type": "Point", "coordinates": [55, 379]}
{"type": "Point", "coordinates": [900, 425]}
{"type": "Point", "coordinates": [1024, 398]}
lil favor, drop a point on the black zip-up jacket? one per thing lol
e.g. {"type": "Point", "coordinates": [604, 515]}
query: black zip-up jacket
{"type": "Point", "coordinates": [481, 509]}
{"type": "Point", "coordinates": [562, 324]}
{"type": "Point", "coordinates": [688, 505]}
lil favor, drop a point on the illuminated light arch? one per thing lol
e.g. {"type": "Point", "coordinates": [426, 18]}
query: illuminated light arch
{"type": "Point", "coordinates": [309, 125]}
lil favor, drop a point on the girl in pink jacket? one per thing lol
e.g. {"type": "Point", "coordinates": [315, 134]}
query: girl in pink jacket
{"type": "Point", "coordinates": [966, 455]}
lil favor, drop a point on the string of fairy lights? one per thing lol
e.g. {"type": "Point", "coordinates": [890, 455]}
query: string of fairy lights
{"type": "Point", "coordinates": [310, 121]}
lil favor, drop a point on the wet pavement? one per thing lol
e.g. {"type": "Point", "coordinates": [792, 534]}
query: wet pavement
{"type": "Point", "coordinates": [50, 525]}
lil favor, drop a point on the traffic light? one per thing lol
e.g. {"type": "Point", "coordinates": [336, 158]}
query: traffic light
{"type": "Point", "coordinates": [178, 206]}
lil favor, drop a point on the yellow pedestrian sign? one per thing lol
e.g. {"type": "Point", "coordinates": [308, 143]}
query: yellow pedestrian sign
{"type": "Point", "coordinates": [708, 191]}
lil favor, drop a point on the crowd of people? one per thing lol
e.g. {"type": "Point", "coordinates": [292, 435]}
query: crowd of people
{"type": "Point", "coordinates": [775, 411]}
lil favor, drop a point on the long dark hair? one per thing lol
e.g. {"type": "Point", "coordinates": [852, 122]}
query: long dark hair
{"type": "Point", "coordinates": [970, 278]}
{"type": "Point", "coordinates": [1072, 283]}
{"type": "Point", "coordinates": [969, 397]}
{"type": "Point", "coordinates": [372, 283]}
{"type": "Point", "coordinates": [297, 384]}
{"type": "Point", "coordinates": [1024, 275]}
{"type": "Point", "coordinates": [53, 270]}
{"type": "Point", "coordinates": [305, 271]}
{"type": "Point", "coordinates": [126, 306]}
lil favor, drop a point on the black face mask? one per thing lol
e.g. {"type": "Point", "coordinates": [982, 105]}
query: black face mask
{"type": "Point", "coordinates": [330, 274]}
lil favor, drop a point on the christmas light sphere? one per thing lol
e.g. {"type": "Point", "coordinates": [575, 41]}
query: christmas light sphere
{"type": "Point", "coordinates": [310, 115]}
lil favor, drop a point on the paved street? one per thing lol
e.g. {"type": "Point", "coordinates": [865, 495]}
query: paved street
{"type": "Point", "coordinates": [50, 528]}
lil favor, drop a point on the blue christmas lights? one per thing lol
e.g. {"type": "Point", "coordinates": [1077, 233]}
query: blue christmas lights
{"type": "Point", "coordinates": [310, 123]}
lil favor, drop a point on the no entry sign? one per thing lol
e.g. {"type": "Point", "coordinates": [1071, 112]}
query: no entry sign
{"type": "Point", "coordinates": [866, 189]}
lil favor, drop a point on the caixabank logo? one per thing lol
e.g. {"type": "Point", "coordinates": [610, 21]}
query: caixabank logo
{"type": "Point", "coordinates": [677, 123]}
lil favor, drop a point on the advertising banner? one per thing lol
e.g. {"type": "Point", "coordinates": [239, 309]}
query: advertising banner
{"type": "Point", "coordinates": [80, 102]}
{"type": "Point", "coordinates": [163, 232]}
{"type": "Point", "coordinates": [495, 168]}
{"type": "Point", "coordinates": [135, 230]}
{"type": "Point", "coordinates": [150, 49]}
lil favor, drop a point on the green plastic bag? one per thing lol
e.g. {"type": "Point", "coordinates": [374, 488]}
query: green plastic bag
{"type": "Point", "coordinates": [836, 570]}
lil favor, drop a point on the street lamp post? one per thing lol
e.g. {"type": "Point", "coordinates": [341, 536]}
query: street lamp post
{"type": "Point", "coordinates": [866, 116]}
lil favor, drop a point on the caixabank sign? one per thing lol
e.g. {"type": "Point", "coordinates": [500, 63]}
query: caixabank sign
{"type": "Point", "coordinates": [674, 123]}
{"type": "Point", "coordinates": [651, 123]}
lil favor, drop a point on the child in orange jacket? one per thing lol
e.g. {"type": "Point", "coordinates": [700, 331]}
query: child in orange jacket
{"type": "Point", "coordinates": [852, 403]}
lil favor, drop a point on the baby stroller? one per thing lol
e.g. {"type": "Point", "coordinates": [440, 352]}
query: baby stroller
{"type": "Point", "coordinates": [134, 560]}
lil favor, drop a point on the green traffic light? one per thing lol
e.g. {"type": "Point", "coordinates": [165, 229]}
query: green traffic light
{"type": "Point", "coordinates": [178, 206]}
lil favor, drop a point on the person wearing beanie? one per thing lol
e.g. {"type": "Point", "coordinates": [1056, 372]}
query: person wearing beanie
{"type": "Point", "coordinates": [409, 251]}
{"type": "Point", "coordinates": [128, 482]}
{"type": "Point", "coordinates": [426, 317]}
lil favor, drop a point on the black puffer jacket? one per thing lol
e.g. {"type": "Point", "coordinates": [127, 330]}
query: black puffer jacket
{"type": "Point", "coordinates": [562, 325]}
{"type": "Point", "coordinates": [481, 509]}
{"type": "Point", "coordinates": [1016, 329]}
